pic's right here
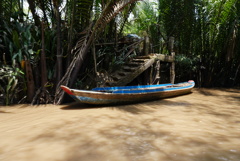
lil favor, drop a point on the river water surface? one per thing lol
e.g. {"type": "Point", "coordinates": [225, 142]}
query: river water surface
{"type": "Point", "coordinates": [202, 126]}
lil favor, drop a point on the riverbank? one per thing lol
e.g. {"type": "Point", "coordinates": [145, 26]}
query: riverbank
{"type": "Point", "coordinates": [201, 126]}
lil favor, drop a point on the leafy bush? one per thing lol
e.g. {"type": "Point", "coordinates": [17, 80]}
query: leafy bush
{"type": "Point", "coordinates": [19, 40]}
{"type": "Point", "coordinates": [186, 67]}
{"type": "Point", "coordinates": [10, 84]}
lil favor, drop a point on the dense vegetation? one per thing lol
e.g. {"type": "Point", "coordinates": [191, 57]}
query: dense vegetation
{"type": "Point", "coordinates": [60, 42]}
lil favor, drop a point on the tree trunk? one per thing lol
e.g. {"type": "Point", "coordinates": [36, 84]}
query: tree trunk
{"type": "Point", "coordinates": [43, 61]}
{"type": "Point", "coordinates": [111, 10]}
{"type": "Point", "coordinates": [42, 5]}
{"type": "Point", "coordinates": [33, 10]}
{"type": "Point", "coordinates": [30, 81]}
{"type": "Point", "coordinates": [42, 95]}
{"type": "Point", "coordinates": [59, 53]}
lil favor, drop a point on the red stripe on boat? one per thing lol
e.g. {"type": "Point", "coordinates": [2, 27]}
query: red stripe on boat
{"type": "Point", "coordinates": [67, 90]}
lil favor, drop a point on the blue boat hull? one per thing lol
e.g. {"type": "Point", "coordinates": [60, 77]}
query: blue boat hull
{"type": "Point", "coordinates": [129, 94]}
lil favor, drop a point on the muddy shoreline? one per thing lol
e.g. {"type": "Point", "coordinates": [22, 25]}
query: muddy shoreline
{"type": "Point", "coordinates": [201, 126]}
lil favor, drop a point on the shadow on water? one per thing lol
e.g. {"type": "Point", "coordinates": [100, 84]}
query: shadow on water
{"type": "Point", "coordinates": [130, 108]}
{"type": "Point", "coordinates": [212, 92]}
{"type": "Point", "coordinates": [123, 140]}
{"type": "Point", "coordinates": [150, 107]}
{"type": "Point", "coordinates": [134, 138]}
{"type": "Point", "coordinates": [206, 93]}
{"type": "Point", "coordinates": [77, 106]}
{"type": "Point", "coordinates": [236, 97]}
{"type": "Point", "coordinates": [198, 130]}
{"type": "Point", "coordinates": [231, 90]}
{"type": "Point", "coordinates": [130, 141]}
{"type": "Point", "coordinates": [134, 108]}
{"type": "Point", "coordinates": [4, 112]}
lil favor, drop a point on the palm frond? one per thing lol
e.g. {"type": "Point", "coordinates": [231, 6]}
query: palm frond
{"type": "Point", "coordinates": [7, 8]}
{"type": "Point", "coordinates": [125, 17]}
{"type": "Point", "coordinates": [112, 9]}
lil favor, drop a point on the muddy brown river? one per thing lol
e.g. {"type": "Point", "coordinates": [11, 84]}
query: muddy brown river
{"type": "Point", "coordinates": [202, 126]}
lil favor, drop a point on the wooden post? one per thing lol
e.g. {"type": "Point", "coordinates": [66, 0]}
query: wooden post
{"type": "Point", "coordinates": [171, 44]}
{"type": "Point", "coordinates": [30, 81]}
{"type": "Point", "coordinates": [172, 68]}
{"type": "Point", "coordinates": [146, 45]}
{"type": "Point", "coordinates": [151, 76]}
{"type": "Point", "coordinates": [147, 76]}
{"type": "Point", "coordinates": [94, 58]}
{"type": "Point", "coordinates": [157, 68]}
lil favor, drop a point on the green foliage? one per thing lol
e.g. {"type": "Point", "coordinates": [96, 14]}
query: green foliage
{"type": "Point", "coordinates": [206, 30]}
{"type": "Point", "coordinates": [7, 8]}
{"type": "Point", "coordinates": [144, 16]}
{"type": "Point", "coordinates": [20, 40]}
{"type": "Point", "coordinates": [10, 84]}
{"type": "Point", "coordinates": [186, 67]}
{"type": "Point", "coordinates": [186, 64]}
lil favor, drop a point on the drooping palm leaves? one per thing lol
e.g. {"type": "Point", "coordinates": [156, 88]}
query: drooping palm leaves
{"type": "Point", "coordinates": [144, 16]}
{"type": "Point", "coordinates": [124, 17]}
{"type": "Point", "coordinates": [216, 24]}
{"type": "Point", "coordinates": [144, 22]}
{"type": "Point", "coordinates": [8, 8]}
{"type": "Point", "coordinates": [110, 11]}
{"type": "Point", "coordinates": [205, 30]}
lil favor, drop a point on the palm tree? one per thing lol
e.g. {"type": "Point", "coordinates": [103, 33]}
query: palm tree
{"type": "Point", "coordinates": [206, 34]}
{"type": "Point", "coordinates": [109, 12]}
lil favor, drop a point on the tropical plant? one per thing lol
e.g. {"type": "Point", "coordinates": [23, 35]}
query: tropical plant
{"type": "Point", "coordinates": [11, 85]}
{"type": "Point", "coordinates": [206, 34]}
{"type": "Point", "coordinates": [82, 46]}
{"type": "Point", "coordinates": [144, 16]}
{"type": "Point", "coordinates": [204, 29]}
{"type": "Point", "coordinates": [20, 41]}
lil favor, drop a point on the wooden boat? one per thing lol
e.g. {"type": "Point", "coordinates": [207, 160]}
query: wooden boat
{"type": "Point", "coordinates": [129, 94]}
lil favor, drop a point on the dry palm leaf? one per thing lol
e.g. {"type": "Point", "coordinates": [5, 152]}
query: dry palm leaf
{"type": "Point", "coordinates": [80, 50]}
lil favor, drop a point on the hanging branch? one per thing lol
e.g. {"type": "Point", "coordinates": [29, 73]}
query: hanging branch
{"type": "Point", "coordinates": [81, 48]}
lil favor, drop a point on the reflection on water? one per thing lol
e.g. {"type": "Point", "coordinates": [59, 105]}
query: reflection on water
{"type": "Point", "coordinates": [202, 126]}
